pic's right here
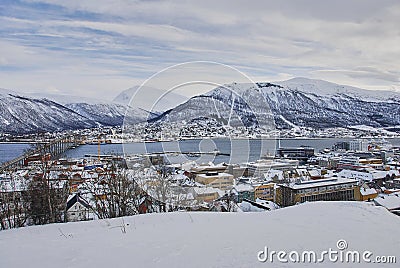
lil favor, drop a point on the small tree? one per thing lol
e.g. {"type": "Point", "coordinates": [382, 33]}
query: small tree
{"type": "Point", "coordinates": [160, 188]}
{"type": "Point", "coordinates": [115, 193]}
{"type": "Point", "coordinates": [12, 205]}
{"type": "Point", "coordinates": [46, 198]}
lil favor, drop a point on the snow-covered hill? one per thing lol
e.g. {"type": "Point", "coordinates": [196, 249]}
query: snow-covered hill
{"type": "Point", "coordinates": [108, 114]}
{"type": "Point", "coordinates": [149, 98]}
{"type": "Point", "coordinates": [206, 239]}
{"type": "Point", "coordinates": [231, 105]}
{"type": "Point", "coordinates": [328, 89]}
{"type": "Point", "coordinates": [65, 98]}
{"type": "Point", "coordinates": [320, 104]}
{"type": "Point", "coordinates": [23, 115]}
{"type": "Point", "coordinates": [296, 102]}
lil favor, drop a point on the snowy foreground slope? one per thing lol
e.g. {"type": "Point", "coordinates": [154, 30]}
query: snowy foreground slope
{"type": "Point", "coordinates": [205, 239]}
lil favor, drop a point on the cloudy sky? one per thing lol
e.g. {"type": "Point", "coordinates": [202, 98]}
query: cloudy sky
{"type": "Point", "coordinates": [100, 47]}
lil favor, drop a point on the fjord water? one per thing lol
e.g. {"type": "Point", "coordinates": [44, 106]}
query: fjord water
{"type": "Point", "coordinates": [10, 151]}
{"type": "Point", "coordinates": [237, 150]}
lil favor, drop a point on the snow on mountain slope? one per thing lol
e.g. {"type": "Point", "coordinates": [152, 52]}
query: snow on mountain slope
{"type": "Point", "coordinates": [25, 115]}
{"type": "Point", "coordinates": [231, 105]}
{"type": "Point", "coordinates": [110, 114]}
{"type": "Point", "coordinates": [65, 98]}
{"type": "Point", "coordinates": [149, 98]}
{"type": "Point", "coordinates": [302, 102]}
{"type": "Point", "coordinates": [205, 239]}
{"type": "Point", "coordinates": [295, 103]}
{"type": "Point", "coordinates": [320, 104]}
{"type": "Point", "coordinates": [22, 114]}
{"type": "Point", "coordinates": [59, 98]}
{"type": "Point", "coordinates": [328, 89]}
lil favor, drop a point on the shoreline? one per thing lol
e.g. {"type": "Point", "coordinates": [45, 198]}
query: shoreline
{"type": "Point", "coordinates": [221, 138]}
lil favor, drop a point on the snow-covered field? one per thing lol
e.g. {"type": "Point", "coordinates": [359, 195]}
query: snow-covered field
{"type": "Point", "coordinates": [205, 239]}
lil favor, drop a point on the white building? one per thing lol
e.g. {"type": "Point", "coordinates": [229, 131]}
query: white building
{"type": "Point", "coordinates": [358, 145]}
{"type": "Point", "coordinates": [78, 209]}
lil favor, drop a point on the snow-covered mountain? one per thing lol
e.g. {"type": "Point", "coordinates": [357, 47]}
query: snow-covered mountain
{"type": "Point", "coordinates": [233, 105]}
{"type": "Point", "coordinates": [296, 102]}
{"type": "Point", "coordinates": [328, 89]}
{"type": "Point", "coordinates": [21, 114]}
{"type": "Point", "coordinates": [24, 115]}
{"type": "Point", "coordinates": [320, 104]}
{"type": "Point", "coordinates": [108, 114]}
{"type": "Point", "coordinates": [64, 98]}
{"type": "Point", "coordinates": [149, 98]}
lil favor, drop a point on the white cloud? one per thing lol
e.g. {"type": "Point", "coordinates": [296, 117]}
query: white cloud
{"type": "Point", "coordinates": [100, 46]}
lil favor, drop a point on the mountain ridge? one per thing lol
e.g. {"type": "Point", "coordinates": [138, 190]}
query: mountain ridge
{"type": "Point", "coordinates": [298, 102]}
{"type": "Point", "coordinates": [24, 115]}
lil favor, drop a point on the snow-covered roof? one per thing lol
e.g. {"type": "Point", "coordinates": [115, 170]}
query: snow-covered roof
{"type": "Point", "coordinates": [271, 205]}
{"type": "Point", "coordinates": [379, 174]}
{"type": "Point", "coordinates": [180, 177]}
{"type": "Point", "coordinates": [247, 207]}
{"type": "Point", "coordinates": [219, 175]}
{"type": "Point", "coordinates": [315, 172]}
{"type": "Point", "coordinates": [257, 206]}
{"type": "Point", "coordinates": [76, 198]}
{"type": "Point", "coordinates": [243, 187]}
{"type": "Point", "coordinates": [207, 190]}
{"type": "Point", "coordinates": [391, 201]}
{"type": "Point", "coordinates": [8, 185]}
{"type": "Point", "coordinates": [272, 163]}
{"type": "Point", "coordinates": [346, 173]}
{"type": "Point", "coordinates": [270, 174]}
{"type": "Point", "coordinates": [367, 191]}
{"type": "Point", "coordinates": [319, 183]}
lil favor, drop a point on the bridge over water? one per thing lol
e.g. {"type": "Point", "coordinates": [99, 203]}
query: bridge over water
{"type": "Point", "coordinates": [53, 147]}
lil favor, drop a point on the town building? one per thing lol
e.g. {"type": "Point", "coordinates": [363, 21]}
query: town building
{"type": "Point", "coordinates": [206, 194]}
{"type": "Point", "coordinates": [222, 181]}
{"type": "Point", "coordinates": [260, 167]}
{"type": "Point", "coordinates": [193, 171]}
{"type": "Point", "coordinates": [353, 145]}
{"type": "Point", "coordinates": [265, 191]}
{"type": "Point", "coordinates": [78, 209]}
{"type": "Point", "coordinates": [367, 194]}
{"type": "Point", "coordinates": [296, 153]}
{"type": "Point", "coordinates": [391, 202]}
{"type": "Point", "coordinates": [243, 191]}
{"type": "Point", "coordinates": [331, 189]}
{"type": "Point", "coordinates": [378, 177]}
{"type": "Point", "coordinates": [393, 184]}
{"type": "Point", "coordinates": [358, 145]}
